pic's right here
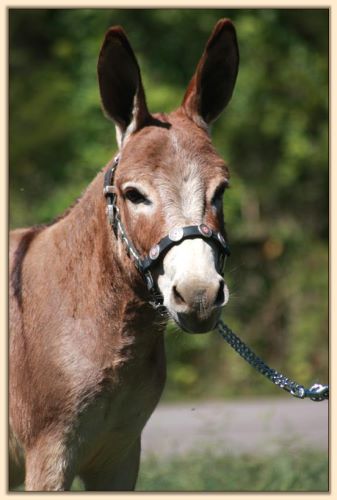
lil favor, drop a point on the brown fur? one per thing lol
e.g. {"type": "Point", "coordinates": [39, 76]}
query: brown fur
{"type": "Point", "coordinates": [87, 362]}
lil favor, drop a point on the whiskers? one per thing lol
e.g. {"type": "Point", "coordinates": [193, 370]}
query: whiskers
{"type": "Point", "coordinates": [232, 270]}
{"type": "Point", "coordinates": [174, 328]}
{"type": "Point", "coordinates": [233, 290]}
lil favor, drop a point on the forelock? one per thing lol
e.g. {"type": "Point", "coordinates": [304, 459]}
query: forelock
{"type": "Point", "coordinates": [182, 186]}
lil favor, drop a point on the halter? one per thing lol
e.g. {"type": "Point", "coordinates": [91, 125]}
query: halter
{"type": "Point", "coordinates": [175, 237]}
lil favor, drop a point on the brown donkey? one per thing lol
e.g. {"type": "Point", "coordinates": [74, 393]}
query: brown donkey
{"type": "Point", "coordinates": [87, 292]}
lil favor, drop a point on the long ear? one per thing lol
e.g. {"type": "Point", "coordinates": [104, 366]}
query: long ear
{"type": "Point", "coordinates": [120, 84]}
{"type": "Point", "coordinates": [213, 82]}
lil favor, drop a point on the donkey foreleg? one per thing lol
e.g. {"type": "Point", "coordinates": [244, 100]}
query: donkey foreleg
{"type": "Point", "coordinates": [49, 466]}
{"type": "Point", "coordinates": [115, 476]}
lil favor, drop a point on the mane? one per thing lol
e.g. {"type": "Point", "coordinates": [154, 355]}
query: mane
{"type": "Point", "coordinates": [20, 253]}
{"type": "Point", "coordinates": [62, 216]}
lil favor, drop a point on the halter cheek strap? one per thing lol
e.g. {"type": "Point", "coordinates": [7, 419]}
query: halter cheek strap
{"type": "Point", "coordinates": [175, 237]}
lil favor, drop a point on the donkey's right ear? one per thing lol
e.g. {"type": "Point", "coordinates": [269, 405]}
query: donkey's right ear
{"type": "Point", "coordinates": [120, 84]}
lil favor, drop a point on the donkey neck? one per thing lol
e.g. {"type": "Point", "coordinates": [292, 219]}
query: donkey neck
{"type": "Point", "coordinates": [96, 261]}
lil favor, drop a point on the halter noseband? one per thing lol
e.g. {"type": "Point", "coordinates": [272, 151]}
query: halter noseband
{"type": "Point", "coordinates": [175, 237]}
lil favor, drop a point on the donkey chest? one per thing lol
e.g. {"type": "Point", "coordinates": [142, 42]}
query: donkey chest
{"type": "Point", "coordinates": [127, 414]}
{"type": "Point", "coordinates": [116, 416]}
{"type": "Point", "coordinates": [133, 389]}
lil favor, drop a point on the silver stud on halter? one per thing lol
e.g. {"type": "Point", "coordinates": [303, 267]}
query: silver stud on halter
{"type": "Point", "coordinates": [206, 231]}
{"type": "Point", "coordinates": [154, 252]}
{"type": "Point", "coordinates": [176, 234]}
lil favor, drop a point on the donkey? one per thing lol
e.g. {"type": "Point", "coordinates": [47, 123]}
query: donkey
{"type": "Point", "coordinates": [90, 293]}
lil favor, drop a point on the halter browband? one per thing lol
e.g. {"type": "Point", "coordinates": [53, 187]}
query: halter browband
{"type": "Point", "coordinates": [175, 237]}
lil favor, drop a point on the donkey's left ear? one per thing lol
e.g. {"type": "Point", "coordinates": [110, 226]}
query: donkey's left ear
{"type": "Point", "coordinates": [213, 82]}
{"type": "Point", "coordinates": [120, 84]}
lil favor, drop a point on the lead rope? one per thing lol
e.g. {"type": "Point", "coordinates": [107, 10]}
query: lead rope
{"type": "Point", "coordinates": [316, 392]}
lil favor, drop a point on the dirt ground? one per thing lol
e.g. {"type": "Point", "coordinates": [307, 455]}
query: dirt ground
{"type": "Point", "coordinates": [236, 427]}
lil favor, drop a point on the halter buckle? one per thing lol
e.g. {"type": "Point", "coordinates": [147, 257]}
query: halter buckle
{"type": "Point", "coordinates": [109, 190]}
{"type": "Point", "coordinates": [110, 211]}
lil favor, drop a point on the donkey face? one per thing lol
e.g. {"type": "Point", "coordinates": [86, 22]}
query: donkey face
{"type": "Point", "coordinates": [169, 174]}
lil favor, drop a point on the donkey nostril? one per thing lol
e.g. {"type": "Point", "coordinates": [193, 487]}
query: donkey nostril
{"type": "Point", "coordinates": [177, 296]}
{"type": "Point", "coordinates": [220, 298]}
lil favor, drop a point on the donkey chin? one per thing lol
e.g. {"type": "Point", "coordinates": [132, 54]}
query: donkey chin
{"type": "Point", "coordinates": [193, 290]}
{"type": "Point", "coordinates": [196, 323]}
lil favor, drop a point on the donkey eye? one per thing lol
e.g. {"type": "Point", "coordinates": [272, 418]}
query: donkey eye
{"type": "Point", "coordinates": [219, 192]}
{"type": "Point", "coordinates": [136, 197]}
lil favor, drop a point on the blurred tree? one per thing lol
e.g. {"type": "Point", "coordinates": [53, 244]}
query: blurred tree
{"type": "Point", "coordinates": [274, 136]}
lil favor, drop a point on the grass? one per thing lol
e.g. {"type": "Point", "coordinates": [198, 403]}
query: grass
{"type": "Point", "coordinates": [301, 471]}
{"type": "Point", "coordinates": [297, 472]}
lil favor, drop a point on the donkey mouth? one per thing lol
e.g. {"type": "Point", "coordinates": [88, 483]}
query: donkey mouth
{"type": "Point", "coordinates": [191, 323]}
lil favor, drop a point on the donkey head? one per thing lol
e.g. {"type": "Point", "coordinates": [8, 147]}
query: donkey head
{"type": "Point", "coordinates": [170, 175]}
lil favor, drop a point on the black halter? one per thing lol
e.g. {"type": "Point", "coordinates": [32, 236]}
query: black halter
{"type": "Point", "coordinates": [175, 237]}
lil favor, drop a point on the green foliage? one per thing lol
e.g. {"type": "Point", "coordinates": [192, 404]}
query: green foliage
{"type": "Point", "coordinates": [274, 136]}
